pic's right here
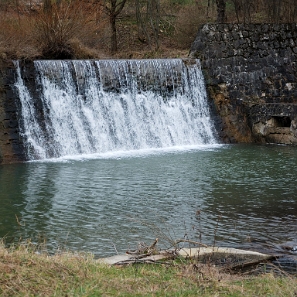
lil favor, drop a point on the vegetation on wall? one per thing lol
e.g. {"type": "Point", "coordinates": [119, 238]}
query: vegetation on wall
{"type": "Point", "coordinates": [121, 28]}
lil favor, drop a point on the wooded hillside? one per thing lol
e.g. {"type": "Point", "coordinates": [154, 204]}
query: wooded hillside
{"type": "Point", "coordinates": [122, 28]}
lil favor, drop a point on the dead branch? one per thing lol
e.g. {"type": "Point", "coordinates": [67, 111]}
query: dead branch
{"type": "Point", "coordinates": [142, 261]}
{"type": "Point", "coordinates": [18, 221]}
{"type": "Point", "coordinates": [144, 250]}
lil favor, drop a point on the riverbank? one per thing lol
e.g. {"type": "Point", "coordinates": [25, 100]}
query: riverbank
{"type": "Point", "coordinates": [26, 272]}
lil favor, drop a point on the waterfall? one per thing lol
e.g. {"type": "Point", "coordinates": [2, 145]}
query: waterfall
{"type": "Point", "coordinates": [85, 107]}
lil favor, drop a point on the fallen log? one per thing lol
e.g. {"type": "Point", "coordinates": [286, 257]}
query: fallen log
{"type": "Point", "coordinates": [196, 252]}
{"type": "Point", "coordinates": [188, 253]}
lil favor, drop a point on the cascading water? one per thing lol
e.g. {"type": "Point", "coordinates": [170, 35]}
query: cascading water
{"type": "Point", "coordinates": [85, 107]}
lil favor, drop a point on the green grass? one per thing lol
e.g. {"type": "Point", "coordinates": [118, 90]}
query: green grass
{"type": "Point", "coordinates": [23, 272]}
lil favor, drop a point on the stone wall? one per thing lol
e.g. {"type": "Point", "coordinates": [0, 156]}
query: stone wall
{"type": "Point", "coordinates": [251, 76]}
{"type": "Point", "coordinates": [11, 148]}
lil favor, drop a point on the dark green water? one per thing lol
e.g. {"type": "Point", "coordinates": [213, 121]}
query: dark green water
{"type": "Point", "coordinates": [246, 195]}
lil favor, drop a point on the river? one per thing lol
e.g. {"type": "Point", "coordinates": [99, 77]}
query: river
{"type": "Point", "coordinates": [229, 195]}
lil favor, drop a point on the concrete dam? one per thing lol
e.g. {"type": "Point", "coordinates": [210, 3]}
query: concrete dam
{"type": "Point", "coordinates": [238, 85]}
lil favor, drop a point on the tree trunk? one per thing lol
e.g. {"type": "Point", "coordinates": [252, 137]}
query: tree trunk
{"type": "Point", "coordinates": [114, 42]}
{"type": "Point", "coordinates": [148, 14]}
{"type": "Point", "coordinates": [141, 19]}
{"type": "Point", "coordinates": [221, 11]}
{"type": "Point", "coordinates": [113, 8]}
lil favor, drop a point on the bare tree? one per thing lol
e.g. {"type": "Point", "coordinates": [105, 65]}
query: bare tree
{"type": "Point", "coordinates": [221, 11]}
{"type": "Point", "coordinates": [279, 11]}
{"type": "Point", "coordinates": [113, 9]}
{"type": "Point", "coordinates": [292, 11]}
{"type": "Point", "coordinates": [273, 9]}
{"type": "Point", "coordinates": [244, 9]}
{"type": "Point", "coordinates": [48, 4]}
{"type": "Point", "coordinates": [148, 19]}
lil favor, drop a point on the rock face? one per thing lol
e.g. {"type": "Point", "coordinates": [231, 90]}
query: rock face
{"type": "Point", "coordinates": [251, 76]}
{"type": "Point", "coordinates": [11, 147]}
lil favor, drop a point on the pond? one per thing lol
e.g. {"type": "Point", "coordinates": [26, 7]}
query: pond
{"type": "Point", "coordinates": [229, 195]}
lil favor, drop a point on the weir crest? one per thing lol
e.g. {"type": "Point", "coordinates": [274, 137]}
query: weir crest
{"type": "Point", "coordinates": [84, 107]}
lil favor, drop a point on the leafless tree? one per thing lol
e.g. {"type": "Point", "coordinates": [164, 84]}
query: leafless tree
{"type": "Point", "coordinates": [148, 17]}
{"type": "Point", "coordinates": [221, 11]}
{"type": "Point", "coordinates": [113, 9]}
{"type": "Point", "coordinates": [281, 11]}
{"type": "Point", "coordinates": [244, 9]}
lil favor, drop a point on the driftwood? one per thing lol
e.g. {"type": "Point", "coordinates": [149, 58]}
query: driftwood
{"type": "Point", "coordinates": [155, 259]}
{"type": "Point", "coordinates": [246, 258]}
{"type": "Point", "coordinates": [198, 252]}
{"type": "Point", "coordinates": [227, 258]}
{"type": "Point", "coordinates": [142, 261]}
{"type": "Point", "coordinates": [129, 259]}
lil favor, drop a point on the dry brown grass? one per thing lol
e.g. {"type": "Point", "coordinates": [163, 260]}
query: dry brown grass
{"type": "Point", "coordinates": [67, 30]}
{"type": "Point", "coordinates": [25, 272]}
{"type": "Point", "coordinates": [16, 39]}
{"type": "Point", "coordinates": [80, 29]}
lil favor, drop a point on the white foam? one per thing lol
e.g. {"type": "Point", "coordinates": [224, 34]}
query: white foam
{"type": "Point", "coordinates": [141, 153]}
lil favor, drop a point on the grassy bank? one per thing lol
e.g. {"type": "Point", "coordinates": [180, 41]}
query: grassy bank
{"type": "Point", "coordinates": [23, 272]}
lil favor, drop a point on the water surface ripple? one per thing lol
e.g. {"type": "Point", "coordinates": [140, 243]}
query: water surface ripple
{"type": "Point", "coordinates": [237, 195]}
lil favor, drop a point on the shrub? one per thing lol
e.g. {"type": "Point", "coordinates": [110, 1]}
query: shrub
{"type": "Point", "coordinates": [60, 29]}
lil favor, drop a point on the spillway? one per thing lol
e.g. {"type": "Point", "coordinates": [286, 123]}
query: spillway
{"type": "Point", "coordinates": [85, 106]}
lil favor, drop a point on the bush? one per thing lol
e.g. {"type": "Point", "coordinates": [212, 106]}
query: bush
{"type": "Point", "coordinates": [62, 29]}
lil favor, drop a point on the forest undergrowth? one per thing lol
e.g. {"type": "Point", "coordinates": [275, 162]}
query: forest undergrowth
{"type": "Point", "coordinates": [144, 28]}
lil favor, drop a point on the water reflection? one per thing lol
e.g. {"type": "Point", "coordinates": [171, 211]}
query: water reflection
{"type": "Point", "coordinates": [11, 199]}
{"type": "Point", "coordinates": [255, 194]}
{"type": "Point", "coordinates": [237, 195]}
